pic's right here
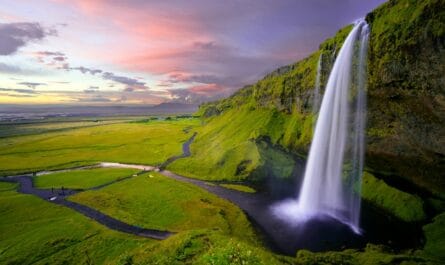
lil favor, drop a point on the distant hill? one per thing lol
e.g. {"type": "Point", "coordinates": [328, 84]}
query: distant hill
{"type": "Point", "coordinates": [10, 112]}
{"type": "Point", "coordinates": [174, 108]}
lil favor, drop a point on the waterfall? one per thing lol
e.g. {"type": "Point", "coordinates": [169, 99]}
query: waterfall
{"type": "Point", "coordinates": [332, 179]}
{"type": "Point", "coordinates": [316, 95]}
{"type": "Point", "coordinates": [358, 132]}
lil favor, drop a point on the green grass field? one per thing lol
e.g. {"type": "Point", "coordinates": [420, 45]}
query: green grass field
{"type": "Point", "coordinates": [33, 231]}
{"type": "Point", "coordinates": [203, 248]}
{"type": "Point", "coordinates": [51, 125]}
{"type": "Point", "coordinates": [82, 179]}
{"type": "Point", "coordinates": [136, 142]}
{"type": "Point", "coordinates": [154, 201]}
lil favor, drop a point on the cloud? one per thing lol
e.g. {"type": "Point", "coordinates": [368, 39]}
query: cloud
{"type": "Point", "coordinates": [59, 58]}
{"type": "Point", "coordinates": [48, 53]}
{"type": "Point", "coordinates": [94, 99]}
{"type": "Point", "coordinates": [208, 90]}
{"type": "Point", "coordinates": [16, 95]}
{"type": "Point", "coordinates": [186, 78]}
{"type": "Point", "coordinates": [60, 61]}
{"type": "Point", "coordinates": [85, 70]}
{"type": "Point", "coordinates": [9, 69]}
{"type": "Point", "coordinates": [132, 84]}
{"type": "Point", "coordinates": [19, 90]}
{"type": "Point", "coordinates": [205, 63]}
{"type": "Point", "coordinates": [204, 45]}
{"type": "Point", "coordinates": [139, 96]}
{"type": "Point", "coordinates": [13, 69]}
{"type": "Point", "coordinates": [56, 59]}
{"type": "Point", "coordinates": [32, 85]}
{"type": "Point", "coordinates": [16, 35]}
{"type": "Point", "coordinates": [198, 94]}
{"type": "Point", "coordinates": [91, 89]}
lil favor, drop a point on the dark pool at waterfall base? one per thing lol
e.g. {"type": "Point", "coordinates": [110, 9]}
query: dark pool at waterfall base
{"type": "Point", "coordinates": [328, 234]}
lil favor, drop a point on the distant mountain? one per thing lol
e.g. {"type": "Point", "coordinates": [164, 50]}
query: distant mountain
{"type": "Point", "coordinates": [174, 108]}
{"type": "Point", "coordinates": [13, 112]}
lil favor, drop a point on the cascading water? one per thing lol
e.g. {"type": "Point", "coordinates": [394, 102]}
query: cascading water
{"type": "Point", "coordinates": [332, 179]}
{"type": "Point", "coordinates": [358, 133]}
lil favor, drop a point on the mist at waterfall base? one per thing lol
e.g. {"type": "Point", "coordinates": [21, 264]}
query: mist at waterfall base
{"type": "Point", "coordinates": [332, 179]}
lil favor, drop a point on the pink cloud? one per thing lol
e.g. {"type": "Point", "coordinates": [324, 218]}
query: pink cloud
{"type": "Point", "coordinates": [153, 38]}
{"type": "Point", "coordinates": [208, 89]}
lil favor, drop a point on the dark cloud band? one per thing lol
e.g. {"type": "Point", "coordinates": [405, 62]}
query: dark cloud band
{"type": "Point", "coordinates": [16, 35]}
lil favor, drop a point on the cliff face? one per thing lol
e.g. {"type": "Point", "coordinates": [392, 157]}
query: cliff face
{"type": "Point", "coordinates": [406, 89]}
{"type": "Point", "coordinates": [406, 103]}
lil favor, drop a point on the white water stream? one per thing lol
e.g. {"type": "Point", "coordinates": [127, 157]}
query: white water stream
{"type": "Point", "coordinates": [332, 179]}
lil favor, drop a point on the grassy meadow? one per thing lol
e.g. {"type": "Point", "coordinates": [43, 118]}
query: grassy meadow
{"type": "Point", "coordinates": [51, 125]}
{"type": "Point", "coordinates": [33, 231]}
{"type": "Point", "coordinates": [142, 142]}
{"type": "Point", "coordinates": [154, 201]}
{"type": "Point", "coordinates": [83, 178]}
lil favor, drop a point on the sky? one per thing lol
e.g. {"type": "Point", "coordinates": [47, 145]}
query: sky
{"type": "Point", "coordinates": [149, 52]}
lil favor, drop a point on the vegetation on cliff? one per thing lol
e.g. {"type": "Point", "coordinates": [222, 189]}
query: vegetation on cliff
{"type": "Point", "coordinates": [406, 103]}
{"type": "Point", "coordinates": [405, 206]}
{"type": "Point", "coordinates": [406, 92]}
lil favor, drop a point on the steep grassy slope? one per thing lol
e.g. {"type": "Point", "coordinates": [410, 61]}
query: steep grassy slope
{"type": "Point", "coordinates": [406, 97]}
{"type": "Point", "coordinates": [230, 147]}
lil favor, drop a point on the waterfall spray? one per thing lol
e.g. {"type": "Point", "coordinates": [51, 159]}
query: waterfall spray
{"type": "Point", "coordinates": [330, 187]}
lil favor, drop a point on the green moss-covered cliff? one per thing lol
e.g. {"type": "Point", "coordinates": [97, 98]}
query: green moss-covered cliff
{"type": "Point", "coordinates": [406, 92]}
{"type": "Point", "coordinates": [406, 98]}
